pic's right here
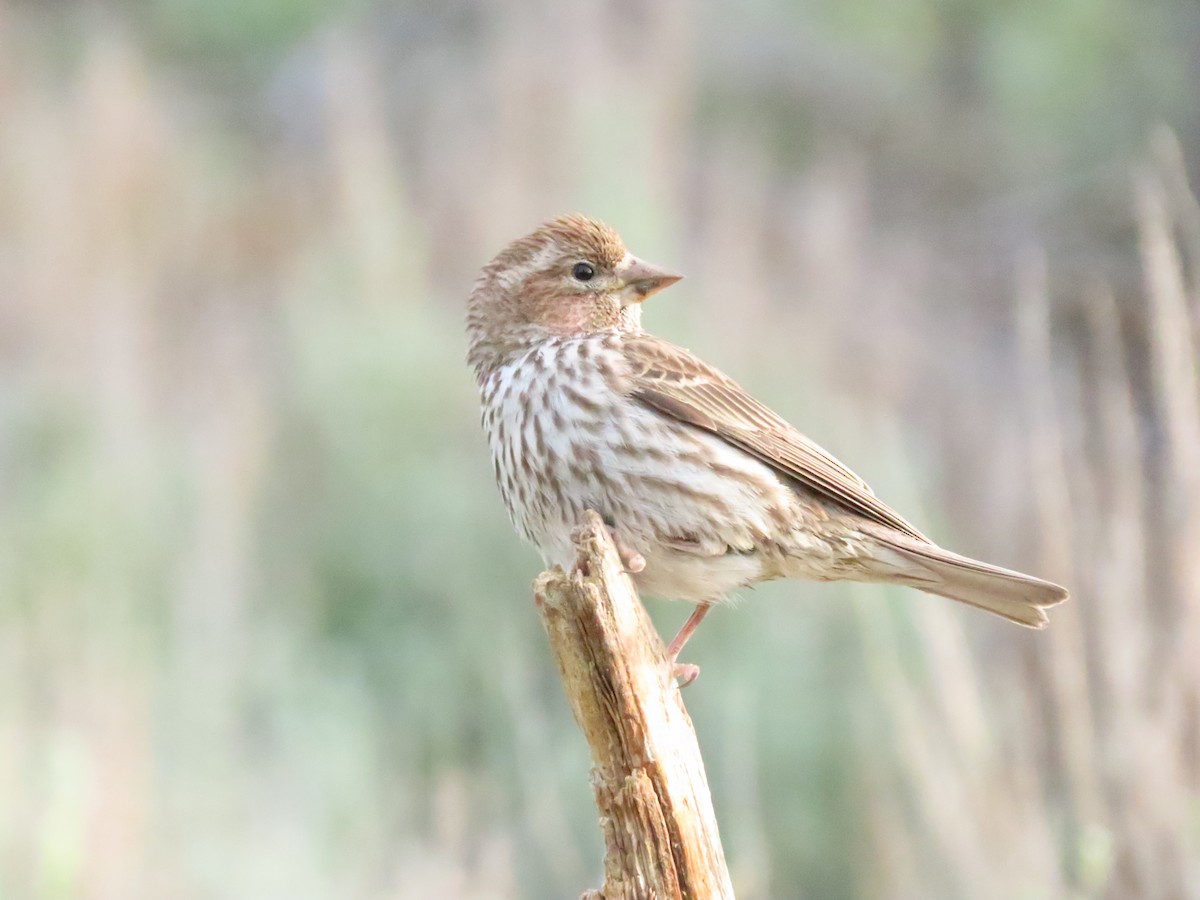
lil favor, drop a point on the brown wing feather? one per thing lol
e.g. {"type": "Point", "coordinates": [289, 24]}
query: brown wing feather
{"type": "Point", "coordinates": [676, 383]}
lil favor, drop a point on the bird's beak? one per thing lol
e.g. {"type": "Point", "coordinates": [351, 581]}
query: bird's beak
{"type": "Point", "coordinates": [640, 279]}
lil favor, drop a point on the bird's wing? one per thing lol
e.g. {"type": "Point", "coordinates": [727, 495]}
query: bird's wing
{"type": "Point", "coordinates": [674, 382]}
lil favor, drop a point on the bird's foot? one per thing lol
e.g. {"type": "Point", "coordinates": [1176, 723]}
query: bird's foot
{"type": "Point", "coordinates": [634, 562]}
{"type": "Point", "coordinates": [685, 673]}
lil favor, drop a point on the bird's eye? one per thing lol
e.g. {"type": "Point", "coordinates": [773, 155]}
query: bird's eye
{"type": "Point", "coordinates": [583, 272]}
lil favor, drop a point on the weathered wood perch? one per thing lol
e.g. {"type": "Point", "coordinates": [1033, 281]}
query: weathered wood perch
{"type": "Point", "coordinates": [656, 812]}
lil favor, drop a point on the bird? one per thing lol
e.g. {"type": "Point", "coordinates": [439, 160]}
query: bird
{"type": "Point", "coordinates": [704, 489]}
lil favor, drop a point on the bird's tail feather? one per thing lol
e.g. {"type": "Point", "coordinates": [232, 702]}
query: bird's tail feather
{"type": "Point", "coordinates": [1017, 597]}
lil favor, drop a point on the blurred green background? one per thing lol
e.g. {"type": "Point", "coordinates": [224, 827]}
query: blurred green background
{"type": "Point", "coordinates": [265, 631]}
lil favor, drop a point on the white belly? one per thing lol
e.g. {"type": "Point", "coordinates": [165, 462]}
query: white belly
{"type": "Point", "coordinates": [698, 509]}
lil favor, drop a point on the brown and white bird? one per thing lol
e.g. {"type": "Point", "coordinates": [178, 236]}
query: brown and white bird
{"type": "Point", "coordinates": [705, 489]}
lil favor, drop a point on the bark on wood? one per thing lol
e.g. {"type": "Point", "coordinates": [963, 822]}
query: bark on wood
{"type": "Point", "coordinates": [655, 808]}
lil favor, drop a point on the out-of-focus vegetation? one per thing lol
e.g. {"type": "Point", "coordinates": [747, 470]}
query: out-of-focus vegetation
{"type": "Point", "coordinates": [264, 629]}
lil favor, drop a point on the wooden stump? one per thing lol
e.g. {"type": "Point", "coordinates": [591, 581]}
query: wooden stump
{"type": "Point", "coordinates": [656, 813]}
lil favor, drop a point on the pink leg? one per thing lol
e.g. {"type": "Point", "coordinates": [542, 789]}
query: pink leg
{"type": "Point", "coordinates": [687, 672]}
{"type": "Point", "coordinates": [634, 561]}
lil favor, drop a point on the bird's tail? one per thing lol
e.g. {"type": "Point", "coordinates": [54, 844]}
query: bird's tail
{"type": "Point", "coordinates": [927, 567]}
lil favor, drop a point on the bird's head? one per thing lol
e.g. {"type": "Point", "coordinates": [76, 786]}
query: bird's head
{"type": "Point", "coordinates": [571, 277]}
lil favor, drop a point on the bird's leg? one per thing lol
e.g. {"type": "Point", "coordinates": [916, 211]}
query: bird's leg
{"type": "Point", "coordinates": [686, 672]}
{"type": "Point", "coordinates": [688, 629]}
{"type": "Point", "coordinates": [634, 561]}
